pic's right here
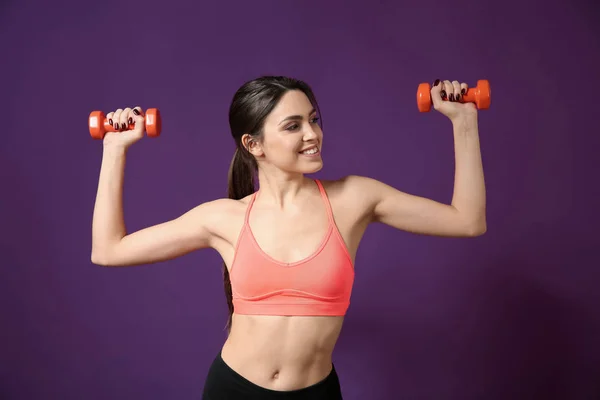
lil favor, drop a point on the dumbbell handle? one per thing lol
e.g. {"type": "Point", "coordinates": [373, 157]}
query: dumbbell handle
{"type": "Point", "coordinates": [469, 97]}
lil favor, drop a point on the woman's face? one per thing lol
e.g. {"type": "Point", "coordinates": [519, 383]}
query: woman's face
{"type": "Point", "coordinates": [292, 138]}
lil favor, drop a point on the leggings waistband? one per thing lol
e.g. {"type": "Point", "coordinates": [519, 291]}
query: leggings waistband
{"type": "Point", "coordinates": [223, 382]}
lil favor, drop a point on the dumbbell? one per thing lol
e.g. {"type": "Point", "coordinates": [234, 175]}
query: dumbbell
{"type": "Point", "coordinates": [98, 124]}
{"type": "Point", "coordinates": [481, 95]}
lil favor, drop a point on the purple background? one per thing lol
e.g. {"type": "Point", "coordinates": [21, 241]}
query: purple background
{"type": "Point", "coordinates": [509, 315]}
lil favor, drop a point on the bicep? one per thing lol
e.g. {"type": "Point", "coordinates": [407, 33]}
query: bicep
{"type": "Point", "coordinates": [412, 213]}
{"type": "Point", "coordinates": [168, 240]}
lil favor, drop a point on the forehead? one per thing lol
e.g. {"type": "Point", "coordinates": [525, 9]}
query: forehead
{"type": "Point", "coordinates": [294, 102]}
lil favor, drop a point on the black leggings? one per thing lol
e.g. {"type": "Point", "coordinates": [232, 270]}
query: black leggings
{"type": "Point", "coordinates": [223, 383]}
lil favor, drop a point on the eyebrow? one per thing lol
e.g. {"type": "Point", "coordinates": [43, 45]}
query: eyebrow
{"type": "Point", "coordinates": [296, 117]}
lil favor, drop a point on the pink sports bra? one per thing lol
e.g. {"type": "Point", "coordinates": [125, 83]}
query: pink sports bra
{"type": "Point", "coordinates": [320, 284]}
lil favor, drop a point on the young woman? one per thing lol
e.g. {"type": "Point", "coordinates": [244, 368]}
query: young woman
{"type": "Point", "coordinates": [288, 247]}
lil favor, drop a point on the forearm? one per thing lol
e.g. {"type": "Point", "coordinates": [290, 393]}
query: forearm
{"type": "Point", "coordinates": [469, 196]}
{"type": "Point", "coordinates": [108, 225]}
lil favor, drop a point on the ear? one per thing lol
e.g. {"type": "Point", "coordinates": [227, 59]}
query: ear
{"type": "Point", "coordinates": [252, 145]}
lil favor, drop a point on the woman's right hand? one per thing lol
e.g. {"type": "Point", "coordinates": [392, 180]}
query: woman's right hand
{"type": "Point", "coordinates": [120, 119]}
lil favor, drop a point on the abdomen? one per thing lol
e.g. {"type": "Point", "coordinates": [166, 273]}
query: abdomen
{"type": "Point", "coordinates": [282, 353]}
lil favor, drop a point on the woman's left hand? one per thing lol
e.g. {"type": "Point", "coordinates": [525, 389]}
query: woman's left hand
{"type": "Point", "coordinates": [446, 96]}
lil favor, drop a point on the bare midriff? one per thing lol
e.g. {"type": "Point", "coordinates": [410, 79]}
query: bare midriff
{"type": "Point", "coordinates": [282, 353]}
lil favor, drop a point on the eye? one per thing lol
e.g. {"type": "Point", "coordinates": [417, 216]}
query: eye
{"type": "Point", "coordinates": [314, 120]}
{"type": "Point", "coordinates": [292, 127]}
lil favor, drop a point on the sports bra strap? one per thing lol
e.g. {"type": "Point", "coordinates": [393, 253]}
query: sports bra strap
{"type": "Point", "coordinates": [326, 201]}
{"type": "Point", "coordinates": [250, 203]}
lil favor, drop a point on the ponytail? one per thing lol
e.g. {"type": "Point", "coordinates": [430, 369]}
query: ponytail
{"type": "Point", "coordinates": [240, 184]}
{"type": "Point", "coordinates": [241, 175]}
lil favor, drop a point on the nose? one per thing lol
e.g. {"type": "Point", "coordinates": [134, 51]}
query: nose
{"type": "Point", "coordinates": [310, 134]}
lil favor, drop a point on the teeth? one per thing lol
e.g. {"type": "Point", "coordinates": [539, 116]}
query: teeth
{"type": "Point", "coordinates": [310, 151]}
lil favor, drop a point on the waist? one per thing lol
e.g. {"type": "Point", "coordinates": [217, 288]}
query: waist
{"type": "Point", "coordinates": [282, 353]}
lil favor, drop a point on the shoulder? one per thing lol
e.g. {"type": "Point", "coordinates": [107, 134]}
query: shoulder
{"type": "Point", "coordinates": [352, 185]}
{"type": "Point", "coordinates": [224, 205]}
{"type": "Point", "coordinates": [354, 190]}
{"type": "Point", "coordinates": [215, 219]}
{"type": "Point", "coordinates": [215, 212]}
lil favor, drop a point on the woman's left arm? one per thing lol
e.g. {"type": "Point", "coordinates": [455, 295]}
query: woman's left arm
{"type": "Point", "coordinates": [466, 215]}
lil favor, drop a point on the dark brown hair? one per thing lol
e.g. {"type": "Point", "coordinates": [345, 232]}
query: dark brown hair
{"type": "Point", "coordinates": [249, 108]}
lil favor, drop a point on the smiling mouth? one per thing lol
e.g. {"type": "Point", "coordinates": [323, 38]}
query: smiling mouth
{"type": "Point", "coordinates": [310, 152]}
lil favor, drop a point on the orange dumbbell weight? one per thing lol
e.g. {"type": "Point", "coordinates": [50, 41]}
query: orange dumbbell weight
{"type": "Point", "coordinates": [481, 95]}
{"type": "Point", "coordinates": [99, 125]}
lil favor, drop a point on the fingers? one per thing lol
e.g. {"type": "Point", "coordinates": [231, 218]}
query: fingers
{"type": "Point", "coordinates": [436, 93]}
{"type": "Point", "coordinates": [447, 90]}
{"type": "Point", "coordinates": [441, 92]}
{"type": "Point", "coordinates": [122, 118]}
{"type": "Point", "coordinates": [137, 118]}
{"type": "Point", "coordinates": [113, 118]}
{"type": "Point", "coordinates": [109, 117]}
{"type": "Point", "coordinates": [456, 90]}
{"type": "Point", "coordinates": [136, 114]}
{"type": "Point", "coordinates": [452, 91]}
{"type": "Point", "coordinates": [436, 87]}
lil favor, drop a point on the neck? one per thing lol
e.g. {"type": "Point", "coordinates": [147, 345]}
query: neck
{"type": "Point", "coordinates": [279, 188]}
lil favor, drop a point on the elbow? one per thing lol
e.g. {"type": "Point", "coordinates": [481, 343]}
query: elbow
{"type": "Point", "coordinates": [105, 253]}
{"type": "Point", "coordinates": [477, 232]}
{"type": "Point", "coordinates": [100, 258]}
{"type": "Point", "coordinates": [477, 229]}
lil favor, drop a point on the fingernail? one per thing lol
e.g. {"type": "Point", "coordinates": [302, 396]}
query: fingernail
{"type": "Point", "coordinates": [463, 91]}
{"type": "Point", "coordinates": [443, 94]}
{"type": "Point", "coordinates": [116, 125]}
{"type": "Point", "coordinates": [451, 97]}
{"type": "Point", "coordinates": [123, 126]}
{"type": "Point", "coordinates": [437, 82]}
{"type": "Point", "coordinates": [136, 112]}
{"type": "Point", "coordinates": [130, 120]}
{"type": "Point", "coordinates": [457, 97]}
{"type": "Point", "coordinates": [110, 121]}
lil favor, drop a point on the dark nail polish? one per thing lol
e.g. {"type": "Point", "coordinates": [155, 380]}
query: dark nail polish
{"type": "Point", "coordinates": [457, 97]}
{"type": "Point", "coordinates": [136, 112]}
{"type": "Point", "coordinates": [463, 91]}
{"type": "Point", "coordinates": [437, 82]}
{"type": "Point", "coordinates": [451, 97]}
{"type": "Point", "coordinates": [116, 125]}
{"type": "Point", "coordinates": [123, 126]}
{"type": "Point", "coordinates": [130, 121]}
{"type": "Point", "coordinates": [443, 94]}
{"type": "Point", "coordinates": [110, 121]}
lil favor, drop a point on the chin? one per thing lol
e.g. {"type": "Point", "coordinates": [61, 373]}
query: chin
{"type": "Point", "coordinates": [312, 168]}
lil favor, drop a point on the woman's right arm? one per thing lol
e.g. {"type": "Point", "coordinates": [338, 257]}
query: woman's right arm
{"type": "Point", "coordinates": [113, 246]}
